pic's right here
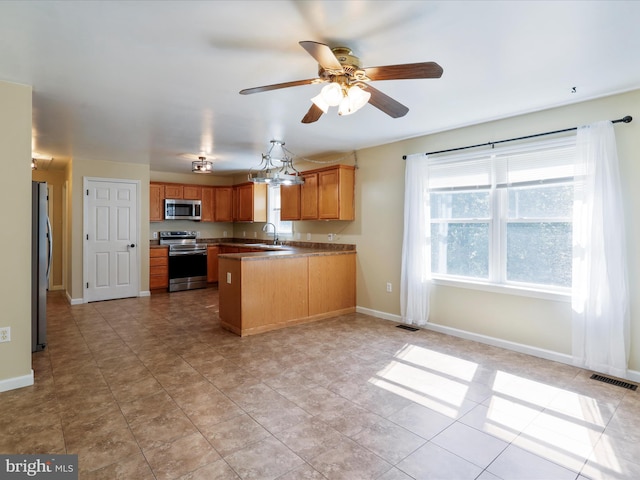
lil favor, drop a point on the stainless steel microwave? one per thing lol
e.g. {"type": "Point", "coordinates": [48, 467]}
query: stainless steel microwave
{"type": "Point", "coordinates": [175, 209]}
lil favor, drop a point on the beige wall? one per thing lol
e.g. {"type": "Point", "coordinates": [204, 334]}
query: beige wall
{"type": "Point", "coordinates": [82, 168]}
{"type": "Point", "coordinates": [537, 323]}
{"type": "Point", "coordinates": [15, 249]}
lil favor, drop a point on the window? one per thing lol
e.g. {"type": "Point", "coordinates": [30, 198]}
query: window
{"type": "Point", "coordinates": [505, 216]}
{"type": "Point", "coordinates": [284, 229]}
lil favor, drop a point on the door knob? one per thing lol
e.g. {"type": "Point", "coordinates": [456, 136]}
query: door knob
{"type": "Point", "coordinates": [132, 245]}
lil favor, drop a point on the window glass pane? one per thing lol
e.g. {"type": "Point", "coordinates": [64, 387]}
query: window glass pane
{"type": "Point", "coordinates": [470, 205]}
{"type": "Point", "coordinates": [460, 249]}
{"type": "Point", "coordinates": [547, 201]}
{"type": "Point", "coordinates": [283, 228]}
{"type": "Point", "coordinates": [539, 253]}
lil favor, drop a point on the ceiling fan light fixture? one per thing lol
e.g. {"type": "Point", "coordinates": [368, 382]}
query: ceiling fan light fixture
{"type": "Point", "coordinates": [202, 165]}
{"type": "Point", "coordinates": [320, 103]}
{"type": "Point", "coordinates": [332, 94]}
{"type": "Point", "coordinates": [355, 99]}
{"type": "Point", "coordinates": [358, 97]}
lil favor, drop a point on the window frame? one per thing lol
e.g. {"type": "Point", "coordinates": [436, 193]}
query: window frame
{"type": "Point", "coordinates": [497, 241]}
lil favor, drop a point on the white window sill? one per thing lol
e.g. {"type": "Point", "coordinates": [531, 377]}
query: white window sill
{"type": "Point", "coordinates": [504, 289]}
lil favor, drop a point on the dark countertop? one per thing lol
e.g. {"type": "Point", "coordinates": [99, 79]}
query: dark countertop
{"type": "Point", "coordinates": [290, 249]}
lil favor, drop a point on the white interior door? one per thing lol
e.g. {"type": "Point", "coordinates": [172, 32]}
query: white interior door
{"type": "Point", "coordinates": [111, 239]}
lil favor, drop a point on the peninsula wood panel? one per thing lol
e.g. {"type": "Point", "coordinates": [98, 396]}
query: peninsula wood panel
{"type": "Point", "coordinates": [230, 295]}
{"type": "Point", "coordinates": [273, 292]}
{"type": "Point", "coordinates": [332, 283]}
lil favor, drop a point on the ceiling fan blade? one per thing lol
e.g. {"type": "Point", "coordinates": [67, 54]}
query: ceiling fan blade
{"type": "Point", "coordinates": [277, 86]}
{"type": "Point", "coordinates": [405, 71]}
{"type": "Point", "coordinates": [324, 56]}
{"type": "Point", "coordinates": [388, 105]}
{"type": "Point", "coordinates": [313, 114]}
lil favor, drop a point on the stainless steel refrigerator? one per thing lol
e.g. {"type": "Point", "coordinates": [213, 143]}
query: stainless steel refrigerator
{"type": "Point", "coordinates": [41, 257]}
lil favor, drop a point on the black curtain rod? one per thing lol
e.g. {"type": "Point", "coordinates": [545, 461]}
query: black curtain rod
{"type": "Point", "coordinates": [626, 119]}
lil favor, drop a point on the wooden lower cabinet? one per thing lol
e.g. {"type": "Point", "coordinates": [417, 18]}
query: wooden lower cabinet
{"type": "Point", "coordinates": [212, 264]}
{"type": "Point", "coordinates": [268, 293]}
{"type": "Point", "coordinates": [159, 268]}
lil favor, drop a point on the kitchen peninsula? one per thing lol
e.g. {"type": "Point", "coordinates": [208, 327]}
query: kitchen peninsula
{"type": "Point", "coordinates": [271, 289]}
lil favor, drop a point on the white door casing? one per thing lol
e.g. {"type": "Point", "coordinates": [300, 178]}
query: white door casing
{"type": "Point", "coordinates": [111, 258]}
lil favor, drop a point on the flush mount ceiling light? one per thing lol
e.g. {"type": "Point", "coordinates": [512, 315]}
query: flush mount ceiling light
{"type": "Point", "coordinates": [39, 161]}
{"type": "Point", "coordinates": [202, 165]}
{"type": "Point", "coordinates": [276, 167]}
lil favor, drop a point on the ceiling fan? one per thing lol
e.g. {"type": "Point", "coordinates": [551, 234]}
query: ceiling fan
{"type": "Point", "coordinates": [348, 86]}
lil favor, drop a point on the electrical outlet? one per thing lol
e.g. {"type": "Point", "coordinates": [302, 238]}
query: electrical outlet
{"type": "Point", "coordinates": [5, 334]}
{"type": "Point", "coordinates": [155, 235]}
{"type": "Point", "coordinates": [197, 234]}
{"type": "Point", "coordinates": [389, 287]}
{"type": "Point", "coordinates": [255, 234]}
{"type": "Point", "coordinates": [228, 277]}
{"type": "Point", "coordinates": [298, 236]}
{"type": "Point", "coordinates": [308, 236]}
{"type": "Point", "coordinates": [224, 234]}
{"type": "Point", "coordinates": [244, 233]}
{"type": "Point", "coordinates": [331, 236]}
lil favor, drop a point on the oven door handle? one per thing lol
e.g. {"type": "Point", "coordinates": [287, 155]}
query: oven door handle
{"type": "Point", "coordinates": [195, 252]}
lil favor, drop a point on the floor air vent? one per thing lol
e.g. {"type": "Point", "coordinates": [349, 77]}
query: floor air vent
{"type": "Point", "coordinates": [407, 327]}
{"type": "Point", "coordinates": [612, 381]}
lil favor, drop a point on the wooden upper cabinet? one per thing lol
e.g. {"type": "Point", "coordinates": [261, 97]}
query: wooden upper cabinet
{"type": "Point", "coordinates": [208, 206]}
{"type": "Point", "coordinates": [173, 191]}
{"type": "Point", "coordinates": [192, 192]}
{"type": "Point", "coordinates": [336, 188]}
{"type": "Point", "coordinates": [327, 194]}
{"type": "Point", "coordinates": [309, 197]}
{"type": "Point", "coordinates": [252, 202]}
{"type": "Point", "coordinates": [156, 202]}
{"type": "Point", "coordinates": [223, 204]}
{"type": "Point", "coordinates": [290, 202]}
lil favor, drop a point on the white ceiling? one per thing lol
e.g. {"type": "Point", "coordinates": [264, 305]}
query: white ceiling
{"type": "Point", "coordinates": [157, 82]}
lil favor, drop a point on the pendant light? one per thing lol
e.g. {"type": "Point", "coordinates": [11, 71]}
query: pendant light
{"type": "Point", "coordinates": [276, 167]}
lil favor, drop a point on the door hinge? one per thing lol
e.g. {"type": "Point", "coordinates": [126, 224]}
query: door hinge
{"type": "Point", "coordinates": [87, 236]}
{"type": "Point", "coordinates": [87, 192]}
{"type": "Point", "coordinates": [87, 284]}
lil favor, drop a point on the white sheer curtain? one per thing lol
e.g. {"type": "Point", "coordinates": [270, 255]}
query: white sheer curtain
{"type": "Point", "coordinates": [600, 296]}
{"type": "Point", "coordinates": [415, 280]}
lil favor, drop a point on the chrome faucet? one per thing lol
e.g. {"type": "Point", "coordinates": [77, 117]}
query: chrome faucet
{"type": "Point", "coordinates": [275, 232]}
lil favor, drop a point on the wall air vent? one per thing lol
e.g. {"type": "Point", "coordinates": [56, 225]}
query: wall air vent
{"type": "Point", "coordinates": [613, 381]}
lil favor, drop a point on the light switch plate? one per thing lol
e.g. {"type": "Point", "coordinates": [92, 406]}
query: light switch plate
{"type": "Point", "coordinates": [228, 277]}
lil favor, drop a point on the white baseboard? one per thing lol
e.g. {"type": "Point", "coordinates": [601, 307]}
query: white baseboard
{"type": "Point", "coordinates": [80, 301]}
{"type": "Point", "coordinates": [632, 375]}
{"type": "Point", "coordinates": [74, 301]}
{"type": "Point", "coordinates": [16, 382]}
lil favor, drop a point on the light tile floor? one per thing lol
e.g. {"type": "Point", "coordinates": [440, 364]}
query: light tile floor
{"type": "Point", "coordinates": [152, 388]}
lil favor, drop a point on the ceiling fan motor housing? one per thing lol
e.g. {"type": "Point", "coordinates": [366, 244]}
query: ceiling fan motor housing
{"type": "Point", "coordinates": [350, 64]}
